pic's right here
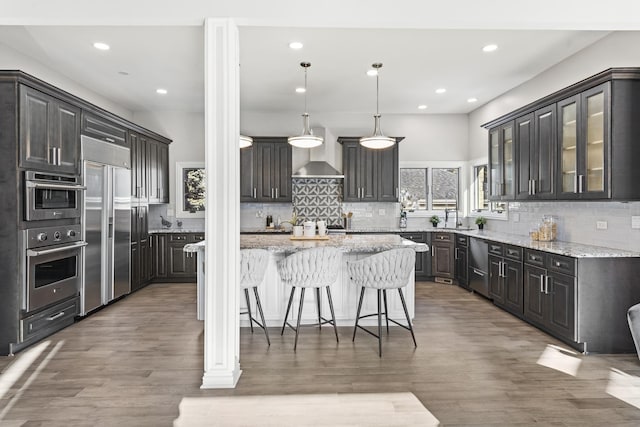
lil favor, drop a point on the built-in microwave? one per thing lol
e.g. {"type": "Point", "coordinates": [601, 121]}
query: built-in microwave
{"type": "Point", "coordinates": [51, 196]}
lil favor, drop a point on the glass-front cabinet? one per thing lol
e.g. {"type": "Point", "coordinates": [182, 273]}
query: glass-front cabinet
{"type": "Point", "coordinates": [583, 130]}
{"type": "Point", "coordinates": [501, 161]}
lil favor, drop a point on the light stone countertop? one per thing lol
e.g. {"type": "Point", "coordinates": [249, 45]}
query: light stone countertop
{"type": "Point", "coordinates": [175, 230]}
{"type": "Point", "coordinates": [347, 243]}
{"type": "Point", "coordinates": [194, 247]}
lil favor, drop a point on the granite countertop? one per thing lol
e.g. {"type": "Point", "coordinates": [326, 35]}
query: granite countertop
{"type": "Point", "coordinates": [194, 247]}
{"type": "Point", "coordinates": [175, 230]}
{"type": "Point", "coordinates": [347, 243]}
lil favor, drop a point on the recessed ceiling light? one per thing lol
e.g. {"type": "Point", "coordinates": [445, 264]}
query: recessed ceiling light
{"type": "Point", "coordinates": [422, 107]}
{"type": "Point", "coordinates": [490, 48]}
{"type": "Point", "coordinates": [470, 100]}
{"type": "Point", "coordinates": [161, 91]}
{"type": "Point", "coordinates": [101, 46]}
{"type": "Point", "coordinates": [372, 72]}
{"type": "Point", "coordinates": [295, 45]}
{"type": "Point", "coordinates": [441, 90]}
{"type": "Point", "coordinates": [300, 90]}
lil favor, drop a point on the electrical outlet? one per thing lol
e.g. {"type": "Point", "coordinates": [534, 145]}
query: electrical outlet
{"type": "Point", "coordinates": [382, 212]}
{"type": "Point", "coordinates": [635, 221]}
{"type": "Point", "coordinates": [601, 225]}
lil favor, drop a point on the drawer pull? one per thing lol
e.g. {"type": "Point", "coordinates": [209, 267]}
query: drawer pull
{"type": "Point", "coordinates": [57, 316]}
{"type": "Point", "coordinates": [557, 264]}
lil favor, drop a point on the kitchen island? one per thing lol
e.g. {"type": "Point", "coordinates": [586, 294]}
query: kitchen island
{"type": "Point", "coordinates": [274, 295]}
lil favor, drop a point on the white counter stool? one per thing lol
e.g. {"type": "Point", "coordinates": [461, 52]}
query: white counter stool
{"type": "Point", "coordinates": [253, 266]}
{"type": "Point", "coordinates": [633, 317]}
{"type": "Point", "coordinates": [310, 268]}
{"type": "Point", "coordinates": [386, 270]}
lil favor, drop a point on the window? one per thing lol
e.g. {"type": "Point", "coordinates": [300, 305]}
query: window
{"type": "Point", "coordinates": [414, 190]}
{"type": "Point", "coordinates": [445, 188]}
{"type": "Point", "coordinates": [424, 189]}
{"type": "Point", "coordinates": [480, 196]}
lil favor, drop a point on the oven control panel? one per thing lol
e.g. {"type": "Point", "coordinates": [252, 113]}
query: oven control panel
{"type": "Point", "coordinates": [49, 236]}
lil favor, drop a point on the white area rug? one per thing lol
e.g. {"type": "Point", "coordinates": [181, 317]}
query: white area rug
{"type": "Point", "coordinates": [363, 409]}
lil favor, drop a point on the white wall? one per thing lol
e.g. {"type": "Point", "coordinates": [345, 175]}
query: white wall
{"type": "Point", "coordinates": [10, 59]}
{"type": "Point", "coordinates": [616, 50]}
{"type": "Point", "coordinates": [187, 132]}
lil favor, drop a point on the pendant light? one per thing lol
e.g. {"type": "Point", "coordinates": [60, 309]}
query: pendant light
{"type": "Point", "coordinates": [245, 141]}
{"type": "Point", "coordinates": [307, 139]}
{"type": "Point", "coordinates": [377, 140]}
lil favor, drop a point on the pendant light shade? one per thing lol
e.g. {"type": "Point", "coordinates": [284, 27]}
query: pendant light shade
{"type": "Point", "coordinates": [307, 139]}
{"type": "Point", "coordinates": [245, 141]}
{"type": "Point", "coordinates": [377, 140]}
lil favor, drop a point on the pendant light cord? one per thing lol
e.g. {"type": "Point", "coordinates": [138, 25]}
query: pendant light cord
{"type": "Point", "coordinates": [305, 90]}
{"type": "Point", "coordinates": [377, 92]}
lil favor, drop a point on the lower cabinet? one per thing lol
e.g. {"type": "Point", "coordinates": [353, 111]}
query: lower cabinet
{"type": "Point", "coordinates": [461, 256]}
{"type": "Point", "coordinates": [550, 292]}
{"type": "Point", "coordinates": [505, 277]}
{"type": "Point", "coordinates": [442, 257]}
{"type": "Point", "coordinates": [170, 262]}
{"type": "Point", "coordinates": [423, 260]}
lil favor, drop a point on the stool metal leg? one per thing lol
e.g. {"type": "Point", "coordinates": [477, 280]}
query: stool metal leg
{"type": "Point", "coordinates": [318, 307]}
{"type": "Point", "coordinates": [406, 313]}
{"type": "Point", "coordinates": [386, 311]}
{"type": "Point", "coordinates": [246, 297]}
{"type": "Point", "coordinates": [358, 314]}
{"type": "Point", "coordinates": [264, 324]}
{"type": "Point", "coordinates": [295, 344]}
{"type": "Point", "coordinates": [333, 316]}
{"type": "Point", "coordinates": [293, 290]}
{"type": "Point", "coordinates": [379, 325]}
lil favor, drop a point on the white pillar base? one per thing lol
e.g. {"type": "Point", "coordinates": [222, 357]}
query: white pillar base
{"type": "Point", "coordinates": [222, 378]}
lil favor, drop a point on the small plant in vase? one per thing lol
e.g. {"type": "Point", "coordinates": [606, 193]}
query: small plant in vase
{"type": "Point", "coordinates": [480, 222]}
{"type": "Point", "coordinates": [434, 220]}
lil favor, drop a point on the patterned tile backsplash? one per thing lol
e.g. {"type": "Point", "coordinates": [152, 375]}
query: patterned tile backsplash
{"type": "Point", "coordinates": [318, 199]}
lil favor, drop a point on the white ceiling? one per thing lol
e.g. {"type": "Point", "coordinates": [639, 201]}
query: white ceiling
{"type": "Point", "coordinates": [416, 62]}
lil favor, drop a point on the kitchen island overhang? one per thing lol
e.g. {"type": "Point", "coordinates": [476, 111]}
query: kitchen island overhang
{"type": "Point", "coordinates": [274, 294]}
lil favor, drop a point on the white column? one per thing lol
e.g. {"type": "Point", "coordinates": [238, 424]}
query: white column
{"type": "Point", "coordinates": [222, 226]}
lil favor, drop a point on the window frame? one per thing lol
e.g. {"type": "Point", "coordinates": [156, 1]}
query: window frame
{"type": "Point", "coordinates": [473, 211]}
{"type": "Point", "coordinates": [430, 165]}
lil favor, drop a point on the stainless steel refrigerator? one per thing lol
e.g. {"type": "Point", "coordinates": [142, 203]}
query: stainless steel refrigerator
{"type": "Point", "coordinates": [106, 223]}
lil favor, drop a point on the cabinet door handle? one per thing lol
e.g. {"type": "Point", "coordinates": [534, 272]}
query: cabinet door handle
{"type": "Point", "coordinates": [478, 272]}
{"type": "Point", "coordinates": [59, 156]}
{"type": "Point", "coordinates": [276, 192]}
{"type": "Point", "coordinates": [109, 139]}
{"type": "Point", "coordinates": [272, 193]}
{"type": "Point", "coordinates": [546, 285]}
{"type": "Point", "coordinates": [395, 192]}
{"type": "Point", "coordinates": [533, 187]}
{"type": "Point", "coordinates": [542, 283]}
{"type": "Point", "coordinates": [255, 192]}
{"type": "Point", "coordinates": [455, 253]}
{"type": "Point", "coordinates": [529, 187]}
{"type": "Point", "coordinates": [580, 183]}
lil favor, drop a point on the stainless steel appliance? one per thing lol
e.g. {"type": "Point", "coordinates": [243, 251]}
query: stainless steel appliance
{"type": "Point", "coordinates": [51, 196]}
{"type": "Point", "coordinates": [106, 223]}
{"type": "Point", "coordinates": [53, 265]}
{"type": "Point", "coordinates": [479, 266]}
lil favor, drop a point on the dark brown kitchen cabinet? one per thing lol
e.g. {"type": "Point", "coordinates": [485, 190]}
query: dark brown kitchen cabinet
{"type": "Point", "coordinates": [157, 164]}
{"type": "Point", "coordinates": [442, 255]}
{"type": "Point", "coordinates": [99, 127]}
{"type": "Point", "coordinates": [369, 175]}
{"type": "Point", "coordinates": [265, 171]}
{"type": "Point", "coordinates": [461, 256]}
{"type": "Point", "coordinates": [502, 182]}
{"type": "Point", "coordinates": [583, 152]}
{"type": "Point", "coordinates": [159, 254]}
{"type": "Point", "coordinates": [141, 263]}
{"type": "Point", "coordinates": [139, 172]}
{"type": "Point", "coordinates": [595, 128]}
{"type": "Point", "coordinates": [550, 293]}
{"type": "Point", "coordinates": [505, 277]}
{"type": "Point", "coordinates": [423, 259]}
{"type": "Point", "coordinates": [170, 262]}
{"type": "Point", "coordinates": [536, 147]}
{"type": "Point", "coordinates": [49, 132]}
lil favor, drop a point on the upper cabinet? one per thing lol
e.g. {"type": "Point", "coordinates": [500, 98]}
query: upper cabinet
{"type": "Point", "coordinates": [103, 129]}
{"type": "Point", "coordinates": [265, 171]}
{"type": "Point", "coordinates": [578, 143]}
{"type": "Point", "coordinates": [369, 175]}
{"type": "Point", "coordinates": [149, 169]}
{"type": "Point", "coordinates": [501, 162]}
{"type": "Point", "coordinates": [49, 132]}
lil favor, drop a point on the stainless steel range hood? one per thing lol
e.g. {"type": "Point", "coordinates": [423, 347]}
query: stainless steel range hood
{"type": "Point", "coordinates": [319, 165]}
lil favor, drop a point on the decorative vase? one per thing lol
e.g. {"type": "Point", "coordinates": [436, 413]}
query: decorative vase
{"type": "Point", "coordinates": [480, 226]}
{"type": "Point", "coordinates": [435, 224]}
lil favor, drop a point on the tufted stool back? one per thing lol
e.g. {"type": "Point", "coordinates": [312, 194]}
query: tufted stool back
{"type": "Point", "coordinates": [311, 268]}
{"type": "Point", "coordinates": [386, 270]}
{"type": "Point", "coordinates": [633, 316]}
{"type": "Point", "coordinates": [253, 266]}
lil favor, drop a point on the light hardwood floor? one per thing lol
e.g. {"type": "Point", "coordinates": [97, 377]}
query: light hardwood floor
{"type": "Point", "coordinates": [132, 363]}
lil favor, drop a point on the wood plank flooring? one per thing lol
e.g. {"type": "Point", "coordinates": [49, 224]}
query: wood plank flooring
{"type": "Point", "coordinates": [132, 363]}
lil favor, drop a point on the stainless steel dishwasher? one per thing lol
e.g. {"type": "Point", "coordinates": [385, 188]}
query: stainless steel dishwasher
{"type": "Point", "coordinates": [479, 266]}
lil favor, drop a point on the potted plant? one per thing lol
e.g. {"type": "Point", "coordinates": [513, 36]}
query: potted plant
{"type": "Point", "coordinates": [480, 222]}
{"type": "Point", "coordinates": [434, 220]}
